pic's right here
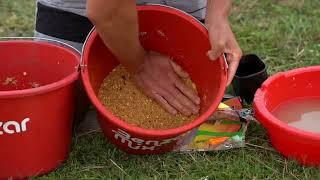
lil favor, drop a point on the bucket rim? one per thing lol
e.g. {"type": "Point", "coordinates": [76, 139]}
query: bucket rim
{"type": "Point", "coordinates": [266, 117]}
{"type": "Point", "coordinates": [48, 87]}
{"type": "Point", "coordinates": [106, 114]}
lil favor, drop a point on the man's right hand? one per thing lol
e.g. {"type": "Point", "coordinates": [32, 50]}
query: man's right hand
{"type": "Point", "coordinates": [117, 24]}
{"type": "Point", "coordinates": [158, 77]}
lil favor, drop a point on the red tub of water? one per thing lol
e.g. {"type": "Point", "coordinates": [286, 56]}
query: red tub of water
{"type": "Point", "coordinates": [37, 92]}
{"type": "Point", "coordinates": [291, 92]}
{"type": "Point", "coordinates": [178, 35]}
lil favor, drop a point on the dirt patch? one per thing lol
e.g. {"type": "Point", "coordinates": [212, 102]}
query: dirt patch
{"type": "Point", "coordinates": [35, 85]}
{"type": "Point", "coordinates": [10, 81]}
{"type": "Point", "coordinates": [120, 95]}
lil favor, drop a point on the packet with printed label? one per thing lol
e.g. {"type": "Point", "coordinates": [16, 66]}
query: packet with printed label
{"type": "Point", "coordinates": [225, 129]}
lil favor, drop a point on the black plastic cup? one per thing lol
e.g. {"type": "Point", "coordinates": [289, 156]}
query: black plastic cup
{"type": "Point", "coordinates": [250, 75]}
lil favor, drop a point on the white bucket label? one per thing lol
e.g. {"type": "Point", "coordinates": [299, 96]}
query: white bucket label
{"type": "Point", "coordinates": [13, 127]}
{"type": "Point", "coordinates": [140, 144]}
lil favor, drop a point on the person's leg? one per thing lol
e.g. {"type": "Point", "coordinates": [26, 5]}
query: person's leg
{"type": "Point", "coordinates": [72, 29]}
{"type": "Point", "coordinates": [57, 24]}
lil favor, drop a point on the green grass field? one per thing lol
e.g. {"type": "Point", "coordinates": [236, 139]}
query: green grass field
{"type": "Point", "coordinates": [285, 33]}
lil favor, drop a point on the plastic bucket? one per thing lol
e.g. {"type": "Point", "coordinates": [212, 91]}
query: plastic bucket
{"type": "Point", "coordinates": [37, 81]}
{"type": "Point", "coordinates": [293, 143]}
{"type": "Point", "coordinates": [187, 44]}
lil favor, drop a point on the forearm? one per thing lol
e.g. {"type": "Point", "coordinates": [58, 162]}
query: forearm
{"type": "Point", "coordinates": [221, 36]}
{"type": "Point", "coordinates": [217, 10]}
{"type": "Point", "coordinates": [117, 24]}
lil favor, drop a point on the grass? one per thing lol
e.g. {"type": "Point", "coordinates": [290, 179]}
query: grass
{"type": "Point", "coordinates": [285, 33]}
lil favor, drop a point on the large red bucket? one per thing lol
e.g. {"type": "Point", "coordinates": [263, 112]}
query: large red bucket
{"type": "Point", "coordinates": [37, 81]}
{"type": "Point", "coordinates": [178, 35]}
{"type": "Point", "coordinates": [294, 143]}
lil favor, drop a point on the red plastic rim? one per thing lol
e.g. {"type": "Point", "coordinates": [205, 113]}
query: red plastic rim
{"type": "Point", "coordinates": [167, 132]}
{"type": "Point", "coordinates": [261, 109]}
{"type": "Point", "coordinates": [49, 87]}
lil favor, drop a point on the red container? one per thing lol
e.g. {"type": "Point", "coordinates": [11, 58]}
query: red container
{"type": "Point", "coordinates": [178, 35]}
{"type": "Point", "coordinates": [293, 143]}
{"type": "Point", "coordinates": [35, 122]}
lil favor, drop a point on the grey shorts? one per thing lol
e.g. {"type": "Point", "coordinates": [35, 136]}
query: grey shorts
{"type": "Point", "coordinates": [71, 28]}
{"type": "Point", "coordinates": [76, 45]}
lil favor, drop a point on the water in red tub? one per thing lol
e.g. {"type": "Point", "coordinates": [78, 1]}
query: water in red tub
{"type": "Point", "coordinates": [302, 113]}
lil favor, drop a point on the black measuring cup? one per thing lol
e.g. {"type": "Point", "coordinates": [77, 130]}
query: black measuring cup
{"type": "Point", "coordinates": [250, 75]}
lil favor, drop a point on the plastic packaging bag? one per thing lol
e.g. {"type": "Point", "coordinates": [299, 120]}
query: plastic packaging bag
{"type": "Point", "coordinates": [225, 129]}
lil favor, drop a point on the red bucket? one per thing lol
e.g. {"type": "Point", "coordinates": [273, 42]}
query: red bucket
{"type": "Point", "coordinates": [178, 35]}
{"type": "Point", "coordinates": [293, 143]}
{"type": "Point", "coordinates": [37, 92]}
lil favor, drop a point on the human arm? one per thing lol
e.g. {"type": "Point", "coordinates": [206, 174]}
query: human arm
{"type": "Point", "coordinates": [221, 36]}
{"type": "Point", "coordinates": [117, 24]}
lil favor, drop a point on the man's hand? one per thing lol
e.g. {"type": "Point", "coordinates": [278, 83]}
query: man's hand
{"type": "Point", "coordinates": [221, 36]}
{"type": "Point", "coordinates": [223, 41]}
{"type": "Point", "coordinates": [158, 77]}
{"type": "Point", "coordinates": [117, 24]}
